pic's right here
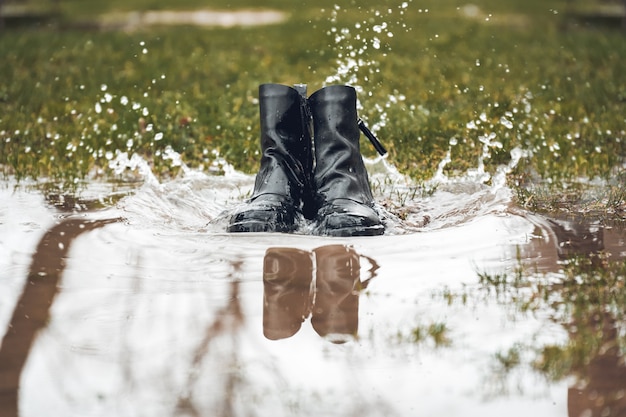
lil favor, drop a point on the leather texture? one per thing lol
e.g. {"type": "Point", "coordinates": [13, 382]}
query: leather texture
{"type": "Point", "coordinates": [283, 181]}
{"type": "Point", "coordinates": [342, 192]}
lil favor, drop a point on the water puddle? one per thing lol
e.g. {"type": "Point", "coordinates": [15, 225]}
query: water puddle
{"type": "Point", "coordinates": [149, 308]}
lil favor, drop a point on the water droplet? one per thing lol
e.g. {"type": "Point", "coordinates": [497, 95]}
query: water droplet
{"type": "Point", "coordinates": [506, 122]}
{"type": "Point", "coordinates": [98, 108]}
{"type": "Point", "coordinates": [158, 136]}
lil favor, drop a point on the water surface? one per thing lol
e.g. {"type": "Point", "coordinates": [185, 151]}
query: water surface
{"type": "Point", "coordinates": [147, 307]}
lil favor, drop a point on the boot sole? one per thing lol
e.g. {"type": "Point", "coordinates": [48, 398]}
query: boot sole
{"type": "Point", "coordinates": [354, 231]}
{"type": "Point", "coordinates": [256, 227]}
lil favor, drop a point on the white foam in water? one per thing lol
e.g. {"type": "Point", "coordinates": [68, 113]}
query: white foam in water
{"type": "Point", "coordinates": [196, 201]}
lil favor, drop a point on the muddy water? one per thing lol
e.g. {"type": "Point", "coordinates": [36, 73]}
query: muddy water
{"type": "Point", "coordinates": [147, 308]}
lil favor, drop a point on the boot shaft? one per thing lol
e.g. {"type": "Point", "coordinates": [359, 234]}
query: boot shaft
{"type": "Point", "coordinates": [339, 169]}
{"type": "Point", "coordinates": [286, 160]}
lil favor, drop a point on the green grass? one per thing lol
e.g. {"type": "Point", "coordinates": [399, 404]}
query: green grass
{"type": "Point", "coordinates": [558, 93]}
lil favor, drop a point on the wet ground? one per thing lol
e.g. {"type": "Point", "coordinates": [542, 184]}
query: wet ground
{"type": "Point", "coordinates": [130, 300]}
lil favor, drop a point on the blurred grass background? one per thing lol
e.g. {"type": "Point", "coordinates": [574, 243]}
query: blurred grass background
{"type": "Point", "coordinates": [479, 78]}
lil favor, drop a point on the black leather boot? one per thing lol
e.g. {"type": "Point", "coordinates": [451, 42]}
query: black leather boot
{"type": "Point", "coordinates": [342, 193]}
{"type": "Point", "coordinates": [283, 181]}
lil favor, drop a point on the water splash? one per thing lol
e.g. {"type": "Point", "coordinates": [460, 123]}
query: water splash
{"type": "Point", "coordinates": [194, 201]}
{"type": "Point", "coordinates": [359, 49]}
{"type": "Point", "coordinates": [442, 201]}
{"type": "Point", "coordinates": [199, 201]}
{"type": "Point", "coordinates": [122, 165]}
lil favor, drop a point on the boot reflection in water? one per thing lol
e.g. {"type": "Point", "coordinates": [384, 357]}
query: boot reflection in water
{"type": "Point", "coordinates": [337, 286]}
{"type": "Point", "coordinates": [287, 275]}
{"type": "Point", "coordinates": [329, 185]}
{"type": "Point", "coordinates": [289, 296]}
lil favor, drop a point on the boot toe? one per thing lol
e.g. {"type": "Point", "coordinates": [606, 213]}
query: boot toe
{"type": "Point", "coordinates": [343, 217]}
{"type": "Point", "coordinates": [266, 213]}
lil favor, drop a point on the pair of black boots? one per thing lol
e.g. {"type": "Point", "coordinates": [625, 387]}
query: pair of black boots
{"type": "Point", "coordinates": [319, 176]}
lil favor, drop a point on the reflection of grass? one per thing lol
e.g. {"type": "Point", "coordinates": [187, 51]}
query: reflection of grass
{"type": "Point", "coordinates": [436, 333]}
{"type": "Point", "coordinates": [509, 359]}
{"type": "Point", "coordinates": [558, 94]}
{"type": "Point", "coordinates": [592, 306]}
{"type": "Point", "coordinates": [589, 300]}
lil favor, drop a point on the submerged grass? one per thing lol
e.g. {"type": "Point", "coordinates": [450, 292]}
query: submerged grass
{"type": "Point", "coordinates": [477, 81]}
{"type": "Point", "coordinates": [587, 299]}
